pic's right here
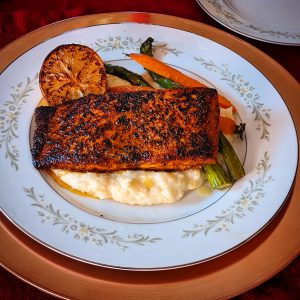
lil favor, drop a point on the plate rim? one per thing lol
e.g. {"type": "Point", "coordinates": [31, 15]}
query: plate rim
{"type": "Point", "coordinates": [186, 23]}
{"type": "Point", "coordinates": [241, 32]}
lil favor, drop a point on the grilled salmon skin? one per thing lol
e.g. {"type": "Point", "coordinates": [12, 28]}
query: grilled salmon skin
{"type": "Point", "coordinates": [162, 130]}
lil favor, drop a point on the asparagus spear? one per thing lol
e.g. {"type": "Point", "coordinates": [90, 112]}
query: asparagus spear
{"type": "Point", "coordinates": [234, 166]}
{"type": "Point", "coordinates": [123, 73]}
{"type": "Point", "coordinates": [146, 48]}
{"type": "Point", "coordinates": [163, 81]}
{"type": "Point", "coordinates": [216, 176]}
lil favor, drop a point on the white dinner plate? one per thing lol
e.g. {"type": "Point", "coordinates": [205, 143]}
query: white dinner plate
{"type": "Point", "coordinates": [195, 229]}
{"type": "Point", "coordinates": [275, 21]}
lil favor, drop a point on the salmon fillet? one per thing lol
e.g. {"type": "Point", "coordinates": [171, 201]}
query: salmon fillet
{"type": "Point", "coordinates": [167, 130]}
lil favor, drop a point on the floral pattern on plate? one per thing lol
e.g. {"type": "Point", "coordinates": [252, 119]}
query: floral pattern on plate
{"type": "Point", "coordinates": [224, 12]}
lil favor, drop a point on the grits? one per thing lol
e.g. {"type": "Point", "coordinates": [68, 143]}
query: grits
{"type": "Point", "coordinates": [134, 187]}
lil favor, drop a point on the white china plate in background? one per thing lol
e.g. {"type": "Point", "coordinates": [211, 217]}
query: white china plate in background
{"type": "Point", "coordinates": [276, 21]}
{"type": "Point", "coordinates": [195, 229]}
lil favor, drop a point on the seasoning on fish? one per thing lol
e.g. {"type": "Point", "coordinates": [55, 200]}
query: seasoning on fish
{"type": "Point", "coordinates": [160, 130]}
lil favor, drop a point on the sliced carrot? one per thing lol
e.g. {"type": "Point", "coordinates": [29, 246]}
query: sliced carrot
{"type": "Point", "coordinates": [131, 88]}
{"type": "Point", "coordinates": [227, 125]}
{"type": "Point", "coordinates": [163, 69]}
{"type": "Point", "coordinates": [225, 103]}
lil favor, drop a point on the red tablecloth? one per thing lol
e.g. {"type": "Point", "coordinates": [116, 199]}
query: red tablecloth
{"type": "Point", "coordinates": [17, 17]}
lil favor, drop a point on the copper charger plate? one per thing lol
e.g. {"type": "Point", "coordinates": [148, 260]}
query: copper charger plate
{"type": "Point", "coordinates": [229, 275]}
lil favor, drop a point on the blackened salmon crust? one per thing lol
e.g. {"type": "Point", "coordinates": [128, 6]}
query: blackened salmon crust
{"type": "Point", "coordinates": [162, 130]}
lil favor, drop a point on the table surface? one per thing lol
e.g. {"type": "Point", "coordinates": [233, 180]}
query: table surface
{"type": "Point", "coordinates": [18, 17]}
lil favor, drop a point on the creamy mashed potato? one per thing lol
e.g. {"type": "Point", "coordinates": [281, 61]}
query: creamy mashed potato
{"type": "Point", "coordinates": [134, 187]}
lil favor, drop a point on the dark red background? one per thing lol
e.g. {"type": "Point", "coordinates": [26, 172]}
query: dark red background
{"type": "Point", "coordinates": [17, 17]}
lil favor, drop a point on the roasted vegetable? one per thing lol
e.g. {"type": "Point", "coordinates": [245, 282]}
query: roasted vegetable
{"type": "Point", "coordinates": [125, 74]}
{"type": "Point", "coordinates": [234, 166]}
{"type": "Point", "coordinates": [216, 176]}
{"type": "Point", "coordinates": [225, 103]}
{"type": "Point", "coordinates": [146, 48]}
{"type": "Point", "coordinates": [166, 79]}
{"type": "Point", "coordinates": [160, 68]}
{"type": "Point", "coordinates": [239, 130]}
{"type": "Point", "coordinates": [227, 125]}
{"type": "Point", "coordinates": [163, 81]}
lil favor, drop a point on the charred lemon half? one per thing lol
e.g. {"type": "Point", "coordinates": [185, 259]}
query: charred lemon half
{"type": "Point", "coordinates": [70, 72]}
